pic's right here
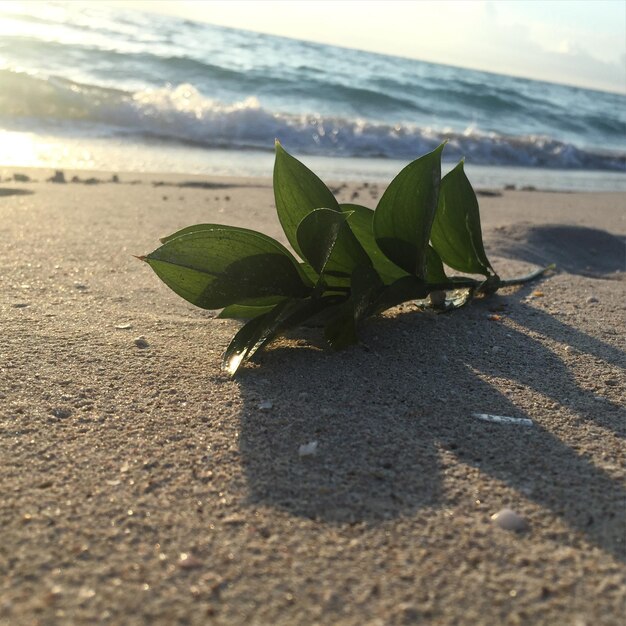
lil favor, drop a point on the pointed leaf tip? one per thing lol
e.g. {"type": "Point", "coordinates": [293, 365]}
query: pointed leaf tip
{"type": "Point", "coordinates": [217, 266]}
{"type": "Point", "coordinates": [328, 244]}
{"type": "Point", "coordinates": [456, 233]}
{"type": "Point", "coordinates": [297, 192]}
{"type": "Point", "coordinates": [405, 213]}
{"type": "Point", "coordinates": [231, 365]}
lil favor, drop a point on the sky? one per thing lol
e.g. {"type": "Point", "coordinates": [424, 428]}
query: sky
{"type": "Point", "coordinates": [576, 42]}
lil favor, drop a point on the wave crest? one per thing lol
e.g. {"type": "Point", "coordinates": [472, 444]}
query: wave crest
{"type": "Point", "coordinates": [183, 114]}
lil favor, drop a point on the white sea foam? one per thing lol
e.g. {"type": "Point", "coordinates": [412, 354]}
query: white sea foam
{"type": "Point", "coordinates": [192, 83]}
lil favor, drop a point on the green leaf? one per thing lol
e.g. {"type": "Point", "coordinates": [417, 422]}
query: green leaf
{"type": "Point", "coordinates": [221, 265]}
{"type": "Point", "coordinates": [328, 244]}
{"type": "Point", "coordinates": [434, 267]}
{"type": "Point", "coordinates": [456, 234]}
{"type": "Point", "coordinates": [309, 272]}
{"type": "Point", "coordinates": [297, 192]}
{"type": "Point", "coordinates": [189, 229]}
{"type": "Point", "coordinates": [251, 309]}
{"type": "Point", "coordinates": [405, 213]}
{"type": "Point", "coordinates": [250, 337]}
{"type": "Point", "coordinates": [402, 290]}
{"type": "Point", "coordinates": [361, 223]}
{"type": "Point", "coordinates": [341, 329]}
{"type": "Point", "coordinates": [262, 329]}
{"type": "Point", "coordinates": [335, 284]}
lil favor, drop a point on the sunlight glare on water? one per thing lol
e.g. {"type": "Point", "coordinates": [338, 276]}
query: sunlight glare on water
{"type": "Point", "coordinates": [58, 23]}
{"type": "Point", "coordinates": [46, 20]}
{"type": "Point", "coordinates": [21, 149]}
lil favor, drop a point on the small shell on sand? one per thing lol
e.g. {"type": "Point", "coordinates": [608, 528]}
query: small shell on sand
{"type": "Point", "coordinates": [507, 519]}
{"type": "Point", "coordinates": [307, 449]}
{"type": "Point", "coordinates": [141, 342]}
{"type": "Point", "coordinates": [503, 419]}
{"type": "Point", "coordinates": [188, 561]}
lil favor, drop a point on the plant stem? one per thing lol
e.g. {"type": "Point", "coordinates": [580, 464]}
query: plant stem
{"type": "Point", "coordinates": [525, 279]}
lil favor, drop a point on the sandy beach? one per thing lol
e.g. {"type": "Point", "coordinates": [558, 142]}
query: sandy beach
{"type": "Point", "coordinates": [141, 485]}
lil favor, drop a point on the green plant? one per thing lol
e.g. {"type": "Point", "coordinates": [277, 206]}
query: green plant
{"type": "Point", "coordinates": [357, 262]}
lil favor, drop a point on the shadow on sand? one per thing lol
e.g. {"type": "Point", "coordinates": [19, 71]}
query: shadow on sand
{"type": "Point", "coordinates": [6, 191]}
{"type": "Point", "coordinates": [573, 249]}
{"type": "Point", "coordinates": [382, 413]}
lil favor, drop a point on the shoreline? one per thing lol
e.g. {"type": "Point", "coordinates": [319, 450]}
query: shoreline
{"type": "Point", "coordinates": [141, 485]}
{"type": "Point", "coordinates": [91, 176]}
{"type": "Point", "coordinates": [162, 158]}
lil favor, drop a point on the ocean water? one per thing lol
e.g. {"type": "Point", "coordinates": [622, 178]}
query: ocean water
{"type": "Point", "coordinates": [93, 87]}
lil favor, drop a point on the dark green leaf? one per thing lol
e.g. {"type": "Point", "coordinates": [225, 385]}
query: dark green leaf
{"type": "Point", "coordinates": [309, 272]}
{"type": "Point", "coordinates": [434, 267]}
{"type": "Point", "coordinates": [261, 330]}
{"type": "Point", "coordinates": [361, 223]}
{"type": "Point", "coordinates": [330, 283]}
{"type": "Point", "coordinates": [189, 229]}
{"type": "Point", "coordinates": [404, 215]}
{"type": "Point", "coordinates": [222, 265]}
{"type": "Point", "coordinates": [340, 330]}
{"type": "Point", "coordinates": [328, 244]}
{"type": "Point", "coordinates": [297, 192]}
{"type": "Point", "coordinates": [402, 290]}
{"type": "Point", "coordinates": [456, 234]}
{"type": "Point", "coordinates": [251, 337]}
{"type": "Point", "coordinates": [250, 309]}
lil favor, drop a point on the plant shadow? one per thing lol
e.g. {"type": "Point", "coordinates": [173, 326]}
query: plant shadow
{"type": "Point", "coordinates": [382, 414]}
{"type": "Point", "coordinates": [575, 249]}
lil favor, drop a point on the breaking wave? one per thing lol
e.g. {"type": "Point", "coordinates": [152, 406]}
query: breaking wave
{"type": "Point", "coordinates": [183, 114]}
